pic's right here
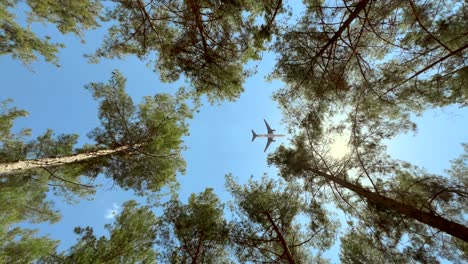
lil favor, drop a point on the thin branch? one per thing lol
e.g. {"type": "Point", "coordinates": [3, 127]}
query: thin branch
{"type": "Point", "coordinates": [428, 67]}
{"type": "Point", "coordinates": [68, 181]}
{"type": "Point", "coordinates": [332, 40]}
{"type": "Point", "coordinates": [413, 9]}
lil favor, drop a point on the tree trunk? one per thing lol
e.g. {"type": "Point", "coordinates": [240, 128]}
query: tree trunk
{"type": "Point", "coordinates": [444, 225]}
{"type": "Point", "coordinates": [22, 165]}
{"type": "Point", "coordinates": [282, 240]}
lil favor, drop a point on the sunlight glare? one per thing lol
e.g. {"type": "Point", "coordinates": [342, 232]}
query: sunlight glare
{"type": "Point", "coordinates": [339, 148]}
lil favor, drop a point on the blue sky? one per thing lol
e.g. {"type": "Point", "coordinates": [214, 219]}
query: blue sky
{"type": "Point", "coordinates": [219, 140]}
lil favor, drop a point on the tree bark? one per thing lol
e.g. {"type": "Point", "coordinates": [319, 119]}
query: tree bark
{"type": "Point", "coordinates": [281, 238]}
{"type": "Point", "coordinates": [22, 165]}
{"type": "Point", "coordinates": [444, 225]}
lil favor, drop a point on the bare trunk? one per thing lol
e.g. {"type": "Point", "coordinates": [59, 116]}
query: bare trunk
{"type": "Point", "coordinates": [22, 165]}
{"type": "Point", "coordinates": [282, 240]}
{"type": "Point", "coordinates": [444, 225]}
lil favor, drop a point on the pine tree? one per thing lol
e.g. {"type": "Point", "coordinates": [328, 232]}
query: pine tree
{"type": "Point", "coordinates": [21, 200]}
{"type": "Point", "coordinates": [358, 247]}
{"type": "Point", "coordinates": [131, 240]}
{"type": "Point", "coordinates": [391, 199]}
{"type": "Point", "coordinates": [22, 43]}
{"type": "Point", "coordinates": [360, 70]}
{"type": "Point", "coordinates": [195, 232]}
{"type": "Point", "coordinates": [267, 226]}
{"type": "Point", "coordinates": [18, 246]}
{"type": "Point", "coordinates": [137, 146]}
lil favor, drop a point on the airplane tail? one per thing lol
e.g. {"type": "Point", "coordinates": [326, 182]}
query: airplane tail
{"type": "Point", "coordinates": [253, 135]}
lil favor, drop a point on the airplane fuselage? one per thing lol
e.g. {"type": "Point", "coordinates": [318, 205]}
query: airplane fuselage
{"type": "Point", "coordinates": [269, 135]}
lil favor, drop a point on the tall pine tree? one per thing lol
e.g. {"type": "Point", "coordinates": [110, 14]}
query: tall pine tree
{"type": "Point", "coordinates": [137, 146]}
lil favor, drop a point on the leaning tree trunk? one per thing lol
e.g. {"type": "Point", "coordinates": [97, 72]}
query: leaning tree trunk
{"type": "Point", "coordinates": [455, 229]}
{"type": "Point", "coordinates": [23, 165]}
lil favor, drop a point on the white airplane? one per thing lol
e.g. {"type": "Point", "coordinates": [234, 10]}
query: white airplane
{"type": "Point", "coordinates": [270, 135]}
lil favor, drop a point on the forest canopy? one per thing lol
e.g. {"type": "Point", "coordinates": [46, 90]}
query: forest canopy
{"type": "Point", "coordinates": [361, 71]}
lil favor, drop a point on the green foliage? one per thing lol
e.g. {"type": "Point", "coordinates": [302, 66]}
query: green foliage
{"type": "Point", "coordinates": [206, 41]}
{"type": "Point", "coordinates": [359, 247]}
{"type": "Point", "coordinates": [394, 58]}
{"type": "Point", "coordinates": [23, 197]}
{"type": "Point", "coordinates": [363, 78]}
{"type": "Point", "coordinates": [292, 162]}
{"type": "Point", "coordinates": [151, 133]}
{"type": "Point", "coordinates": [66, 181]}
{"type": "Point", "coordinates": [69, 16]}
{"type": "Point", "coordinates": [19, 246]}
{"type": "Point", "coordinates": [152, 130]}
{"type": "Point", "coordinates": [20, 200]}
{"type": "Point", "coordinates": [7, 117]}
{"type": "Point", "coordinates": [442, 195]}
{"type": "Point", "coordinates": [131, 239]}
{"type": "Point", "coordinates": [459, 168]}
{"type": "Point", "coordinates": [23, 44]}
{"type": "Point", "coordinates": [195, 232]}
{"type": "Point", "coordinates": [11, 144]}
{"type": "Point", "coordinates": [273, 223]}
{"type": "Point", "coordinates": [25, 200]}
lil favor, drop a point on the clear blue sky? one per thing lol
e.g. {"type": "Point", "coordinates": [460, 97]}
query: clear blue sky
{"type": "Point", "coordinates": [219, 141]}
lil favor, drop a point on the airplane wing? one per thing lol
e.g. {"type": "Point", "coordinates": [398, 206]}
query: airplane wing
{"type": "Point", "coordinates": [268, 143]}
{"type": "Point", "coordinates": [270, 131]}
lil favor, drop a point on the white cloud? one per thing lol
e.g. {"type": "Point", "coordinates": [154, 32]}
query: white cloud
{"type": "Point", "coordinates": [111, 213]}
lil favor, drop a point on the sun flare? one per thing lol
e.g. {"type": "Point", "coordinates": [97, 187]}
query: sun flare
{"type": "Point", "coordinates": [339, 148]}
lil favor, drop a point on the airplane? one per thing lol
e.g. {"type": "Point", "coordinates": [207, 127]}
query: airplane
{"type": "Point", "coordinates": [271, 135]}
